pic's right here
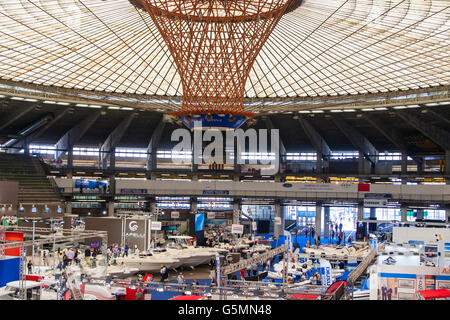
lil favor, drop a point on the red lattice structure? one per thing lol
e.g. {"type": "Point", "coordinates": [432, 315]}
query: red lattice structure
{"type": "Point", "coordinates": [214, 45]}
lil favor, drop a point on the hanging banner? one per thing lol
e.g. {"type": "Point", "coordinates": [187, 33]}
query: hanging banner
{"type": "Point", "coordinates": [175, 214]}
{"type": "Point", "coordinates": [325, 272]}
{"type": "Point", "coordinates": [277, 220]}
{"type": "Point", "coordinates": [211, 215]}
{"type": "Point", "coordinates": [156, 225]}
{"type": "Point", "coordinates": [237, 228]}
{"type": "Point", "coordinates": [363, 187]}
{"type": "Point", "coordinates": [254, 226]}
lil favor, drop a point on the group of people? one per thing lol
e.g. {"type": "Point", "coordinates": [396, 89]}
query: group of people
{"type": "Point", "coordinates": [70, 256]}
{"type": "Point", "coordinates": [116, 251]}
{"type": "Point", "coordinates": [336, 233]}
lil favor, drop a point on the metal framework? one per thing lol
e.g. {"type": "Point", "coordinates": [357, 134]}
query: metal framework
{"type": "Point", "coordinates": [260, 258]}
{"type": "Point", "coordinates": [214, 45]}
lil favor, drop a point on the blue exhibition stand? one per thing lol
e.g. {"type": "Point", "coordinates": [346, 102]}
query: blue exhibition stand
{"type": "Point", "coordinates": [9, 269]}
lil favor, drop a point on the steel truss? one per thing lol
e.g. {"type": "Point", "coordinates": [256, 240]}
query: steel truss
{"type": "Point", "coordinates": [214, 45]}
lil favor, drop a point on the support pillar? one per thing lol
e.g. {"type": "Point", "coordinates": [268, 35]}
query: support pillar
{"type": "Point", "coordinates": [404, 212]}
{"type": "Point", "coordinates": [448, 214]}
{"type": "Point", "coordinates": [193, 205]}
{"type": "Point", "coordinates": [68, 210]}
{"type": "Point", "coordinates": [112, 158]}
{"type": "Point", "coordinates": [110, 208]}
{"type": "Point", "coordinates": [318, 226]}
{"type": "Point", "coordinates": [319, 164]}
{"type": "Point", "coordinates": [404, 163]}
{"type": "Point", "coordinates": [236, 211]}
{"type": "Point", "coordinates": [112, 184]}
{"type": "Point", "coordinates": [277, 229]}
{"type": "Point", "coordinates": [420, 166]}
{"type": "Point", "coordinates": [360, 212]}
{"type": "Point", "coordinates": [364, 165]}
{"type": "Point", "coordinates": [373, 216]}
{"type": "Point", "coordinates": [152, 205]}
{"type": "Point", "coordinates": [326, 222]}
{"type": "Point", "coordinates": [447, 165]}
{"type": "Point", "coordinates": [420, 215]}
{"type": "Point", "coordinates": [70, 157]}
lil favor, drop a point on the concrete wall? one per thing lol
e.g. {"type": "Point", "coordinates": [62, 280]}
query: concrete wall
{"type": "Point", "coordinates": [9, 194]}
{"type": "Point", "coordinates": [112, 225]}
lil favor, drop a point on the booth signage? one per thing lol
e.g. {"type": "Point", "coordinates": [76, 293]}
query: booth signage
{"type": "Point", "coordinates": [378, 195]}
{"type": "Point", "coordinates": [375, 203]}
{"type": "Point", "coordinates": [156, 225]}
{"type": "Point", "coordinates": [175, 214]}
{"type": "Point", "coordinates": [254, 227]}
{"type": "Point", "coordinates": [135, 229]}
{"type": "Point", "coordinates": [211, 215]}
{"type": "Point", "coordinates": [237, 228]}
{"type": "Point", "coordinates": [277, 220]}
{"type": "Point", "coordinates": [216, 192]}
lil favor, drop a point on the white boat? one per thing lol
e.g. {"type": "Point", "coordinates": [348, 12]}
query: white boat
{"type": "Point", "coordinates": [148, 263]}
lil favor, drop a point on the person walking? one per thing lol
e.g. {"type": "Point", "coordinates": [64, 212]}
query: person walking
{"type": "Point", "coordinates": [30, 267]}
{"type": "Point", "coordinates": [164, 273]}
{"type": "Point", "coordinates": [45, 258]}
{"type": "Point", "coordinates": [76, 256]}
{"type": "Point", "coordinates": [127, 248]}
{"type": "Point", "coordinates": [69, 256]}
{"type": "Point", "coordinates": [87, 254]}
{"type": "Point", "coordinates": [180, 280]}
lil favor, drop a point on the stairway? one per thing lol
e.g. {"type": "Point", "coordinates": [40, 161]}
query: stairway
{"type": "Point", "coordinates": [73, 286]}
{"type": "Point", "coordinates": [34, 186]}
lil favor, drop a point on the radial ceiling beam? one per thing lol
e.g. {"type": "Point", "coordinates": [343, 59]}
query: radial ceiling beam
{"type": "Point", "coordinates": [318, 142]}
{"type": "Point", "coordinates": [25, 134]}
{"type": "Point", "coordinates": [75, 134]}
{"type": "Point", "coordinates": [438, 135]}
{"type": "Point", "coordinates": [34, 135]}
{"type": "Point", "coordinates": [391, 134]}
{"type": "Point", "coordinates": [16, 116]}
{"type": "Point", "coordinates": [114, 139]}
{"type": "Point", "coordinates": [153, 145]}
{"type": "Point", "coordinates": [361, 143]}
{"type": "Point", "coordinates": [270, 126]}
{"type": "Point", "coordinates": [438, 115]}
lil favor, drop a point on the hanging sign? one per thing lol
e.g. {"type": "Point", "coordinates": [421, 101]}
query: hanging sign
{"type": "Point", "coordinates": [156, 225]}
{"type": "Point", "coordinates": [277, 220]}
{"type": "Point", "coordinates": [375, 203]}
{"type": "Point", "coordinates": [254, 227]}
{"type": "Point", "coordinates": [237, 228]}
{"type": "Point", "coordinates": [211, 215]}
{"type": "Point", "coordinates": [175, 214]}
